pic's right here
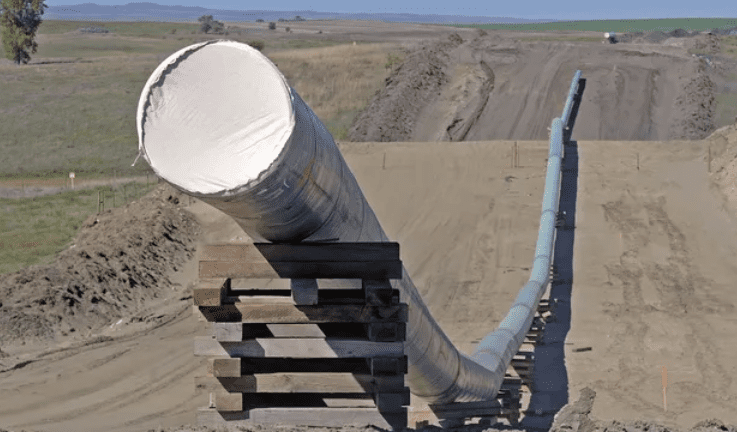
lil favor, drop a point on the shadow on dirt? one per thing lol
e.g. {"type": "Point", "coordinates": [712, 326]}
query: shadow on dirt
{"type": "Point", "coordinates": [550, 393]}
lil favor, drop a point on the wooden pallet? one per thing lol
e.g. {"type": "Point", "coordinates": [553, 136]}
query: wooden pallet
{"type": "Point", "coordinates": [505, 405]}
{"type": "Point", "coordinates": [303, 356]}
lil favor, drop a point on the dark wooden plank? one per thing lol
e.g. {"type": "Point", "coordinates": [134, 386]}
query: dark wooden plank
{"type": "Point", "coordinates": [297, 348]}
{"type": "Point", "coordinates": [210, 292]}
{"type": "Point", "coordinates": [301, 252]}
{"type": "Point", "coordinates": [302, 270]}
{"type": "Point", "coordinates": [318, 417]}
{"type": "Point", "coordinates": [302, 382]}
{"type": "Point", "coordinates": [378, 291]}
{"type": "Point", "coordinates": [304, 291]}
{"type": "Point", "coordinates": [386, 332]}
{"type": "Point", "coordinates": [376, 332]}
{"type": "Point", "coordinates": [366, 252]}
{"type": "Point", "coordinates": [273, 365]}
{"type": "Point", "coordinates": [472, 409]}
{"type": "Point", "coordinates": [392, 401]}
{"type": "Point", "coordinates": [382, 366]}
{"type": "Point", "coordinates": [295, 314]}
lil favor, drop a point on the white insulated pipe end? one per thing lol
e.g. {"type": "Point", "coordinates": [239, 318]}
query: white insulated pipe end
{"type": "Point", "coordinates": [214, 117]}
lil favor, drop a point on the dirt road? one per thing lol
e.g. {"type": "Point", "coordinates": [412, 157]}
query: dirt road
{"type": "Point", "coordinates": [490, 87]}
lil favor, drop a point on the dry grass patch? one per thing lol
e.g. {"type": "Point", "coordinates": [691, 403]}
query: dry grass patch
{"type": "Point", "coordinates": [336, 82]}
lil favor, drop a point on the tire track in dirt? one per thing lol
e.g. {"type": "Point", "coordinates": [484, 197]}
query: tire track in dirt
{"type": "Point", "coordinates": [675, 280]}
{"type": "Point", "coordinates": [111, 386]}
{"type": "Point", "coordinates": [467, 116]}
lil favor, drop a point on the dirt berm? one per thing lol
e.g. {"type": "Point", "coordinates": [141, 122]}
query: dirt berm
{"type": "Point", "coordinates": [116, 264]}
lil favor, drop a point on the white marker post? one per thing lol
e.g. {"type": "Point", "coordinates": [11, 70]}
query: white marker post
{"type": "Point", "coordinates": [71, 176]}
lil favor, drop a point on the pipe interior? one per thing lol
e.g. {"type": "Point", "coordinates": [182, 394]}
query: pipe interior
{"type": "Point", "coordinates": [216, 118]}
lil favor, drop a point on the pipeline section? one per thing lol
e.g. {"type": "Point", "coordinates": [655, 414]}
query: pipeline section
{"type": "Point", "coordinates": [218, 121]}
{"type": "Point", "coordinates": [495, 351]}
{"type": "Point", "coordinates": [569, 100]}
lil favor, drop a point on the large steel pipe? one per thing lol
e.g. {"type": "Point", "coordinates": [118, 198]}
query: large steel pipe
{"type": "Point", "coordinates": [218, 121]}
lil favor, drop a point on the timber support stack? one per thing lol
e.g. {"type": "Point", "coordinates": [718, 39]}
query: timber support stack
{"type": "Point", "coordinates": [302, 356]}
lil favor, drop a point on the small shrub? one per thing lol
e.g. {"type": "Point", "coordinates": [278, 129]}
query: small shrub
{"type": "Point", "coordinates": [272, 26]}
{"type": "Point", "coordinates": [391, 60]}
{"type": "Point", "coordinates": [259, 45]}
{"type": "Point", "coordinates": [259, 20]}
{"type": "Point", "coordinates": [288, 30]}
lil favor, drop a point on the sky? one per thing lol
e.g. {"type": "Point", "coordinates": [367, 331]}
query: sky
{"type": "Point", "coordinates": [537, 9]}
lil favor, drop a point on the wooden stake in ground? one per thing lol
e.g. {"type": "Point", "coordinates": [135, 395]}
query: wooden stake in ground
{"type": "Point", "coordinates": [71, 177]}
{"type": "Point", "coordinates": [664, 375]}
{"type": "Point", "coordinates": [709, 162]}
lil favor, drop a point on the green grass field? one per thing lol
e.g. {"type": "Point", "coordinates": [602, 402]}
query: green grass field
{"type": "Point", "coordinates": [73, 108]}
{"type": "Point", "coordinates": [620, 26]}
{"type": "Point", "coordinates": [36, 229]}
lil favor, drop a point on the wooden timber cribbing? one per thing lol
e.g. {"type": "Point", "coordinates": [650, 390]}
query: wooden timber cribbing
{"type": "Point", "coordinates": [520, 377]}
{"type": "Point", "coordinates": [302, 356]}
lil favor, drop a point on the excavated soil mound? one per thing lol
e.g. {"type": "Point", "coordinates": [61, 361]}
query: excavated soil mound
{"type": "Point", "coordinates": [575, 417]}
{"type": "Point", "coordinates": [697, 105]}
{"type": "Point", "coordinates": [654, 36]}
{"type": "Point", "coordinates": [118, 261]}
{"type": "Point", "coordinates": [723, 147]}
{"type": "Point", "coordinates": [392, 113]}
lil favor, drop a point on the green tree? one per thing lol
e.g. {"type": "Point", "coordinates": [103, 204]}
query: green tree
{"type": "Point", "coordinates": [20, 20]}
{"type": "Point", "coordinates": [209, 23]}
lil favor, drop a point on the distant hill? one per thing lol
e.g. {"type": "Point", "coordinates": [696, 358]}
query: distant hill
{"type": "Point", "coordinates": [156, 12]}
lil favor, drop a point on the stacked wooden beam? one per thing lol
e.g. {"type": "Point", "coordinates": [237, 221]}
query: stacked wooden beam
{"type": "Point", "coordinates": [505, 405]}
{"type": "Point", "coordinates": [303, 356]}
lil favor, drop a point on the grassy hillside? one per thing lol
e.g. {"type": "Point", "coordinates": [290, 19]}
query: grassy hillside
{"type": "Point", "coordinates": [620, 26]}
{"type": "Point", "coordinates": [73, 108]}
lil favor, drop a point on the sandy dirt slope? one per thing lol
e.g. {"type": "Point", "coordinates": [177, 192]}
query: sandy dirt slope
{"type": "Point", "coordinates": [467, 223]}
{"type": "Point", "coordinates": [653, 284]}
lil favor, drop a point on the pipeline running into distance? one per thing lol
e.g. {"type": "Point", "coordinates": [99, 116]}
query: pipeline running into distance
{"type": "Point", "coordinates": [218, 121]}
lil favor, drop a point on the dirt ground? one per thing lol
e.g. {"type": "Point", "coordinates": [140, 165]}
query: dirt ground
{"type": "Point", "coordinates": [483, 86]}
{"type": "Point", "coordinates": [646, 276]}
